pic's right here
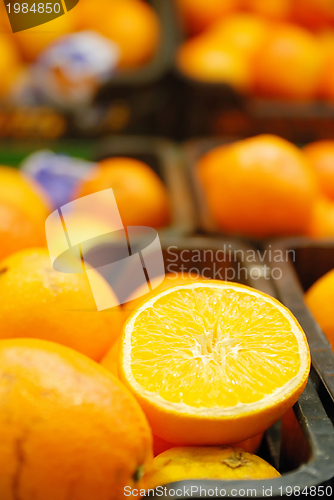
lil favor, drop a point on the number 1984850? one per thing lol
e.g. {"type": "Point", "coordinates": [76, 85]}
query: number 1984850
{"type": "Point", "coordinates": [40, 8]}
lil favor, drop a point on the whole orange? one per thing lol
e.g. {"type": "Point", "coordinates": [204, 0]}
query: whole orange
{"type": "Point", "coordinates": [242, 31]}
{"type": "Point", "coordinates": [132, 24]}
{"type": "Point", "coordinates": [198, 15]}
{"type": "Point", "coordinates": [68, 429]}
{"type": "Point", "coordinates": [23, 192]}
{"type": "Point", "coordinates": [321, 157]}
{"type": "Point", "coordinates": [38, 302]}
{"type": "Point", "coordinates": [202, 58]}
{"type": "Point", "coordinates": [18, 230]}
{"type": "Point", "coordinates": [260, 187]}
{"type": "Point", "coordinates": [141, 196]}
{"type": "Point", "coordinates": [289, 65]}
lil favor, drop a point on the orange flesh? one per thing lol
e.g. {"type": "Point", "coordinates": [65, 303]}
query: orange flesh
{"type": "Point", "coordinates": [209, 348]}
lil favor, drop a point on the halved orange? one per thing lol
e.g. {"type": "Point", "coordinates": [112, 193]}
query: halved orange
{"type": "Point", "coordinates": [213, 362]}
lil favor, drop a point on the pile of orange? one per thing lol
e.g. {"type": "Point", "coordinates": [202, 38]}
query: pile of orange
{"type": "Point", "coordinates": [133, 25]}
{"type": "Point", "coordinates": [277, 48]}
{"type": "Point", "coordinates": [182, 353]}
{"type": "Point", "coordinates": [253, 186]}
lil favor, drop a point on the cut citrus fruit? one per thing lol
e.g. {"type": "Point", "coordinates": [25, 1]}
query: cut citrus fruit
{"type": "Point", "coordinates": [213, 362]}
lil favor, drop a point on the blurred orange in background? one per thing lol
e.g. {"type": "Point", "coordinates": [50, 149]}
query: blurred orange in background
{"type": "Point", "coordinates": [203, 59]}
{"type": "Point", "coordinates": [289, 64]}
{"type": "Point", "coordinates": [242, 31]}
{"type": "Point", "coordinates": [132, 24]}
{"type": "Point", "coordinates": [200, 14]}
{"type": "Point", "coordinates": [322, 220]}
{"type": "Point", "coordinates": [326, 87]}
{"type": "Point", "coordinates": [141, 196]}
{"type": "Point", "coordinates": [260, 187]}
{"type": "Point", "coordinates": [10, 62]}
{"type": "Point", "coordinates": [313, 14]}
{"type": "Point", "coordinates": [321, 157]}
{"type": "Point", "coordinates": [320, 298]}
{"type": "Point", "coordinates": [275, 10]}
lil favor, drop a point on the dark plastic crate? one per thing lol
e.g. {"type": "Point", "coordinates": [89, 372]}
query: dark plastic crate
{"type": "Point", "coordinates": [301, 445]}
{"type": "Point", "coordinates": [307, 260]}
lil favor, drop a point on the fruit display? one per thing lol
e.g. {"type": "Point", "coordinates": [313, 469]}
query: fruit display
{"type": "Point", "coordinates": [42, 67]}
{"type": "Point", "coordinates": [267, 49]}
{"type": "Point", "coordinates": [166, 259]}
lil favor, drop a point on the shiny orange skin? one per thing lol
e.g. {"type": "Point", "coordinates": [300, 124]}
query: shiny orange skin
{"type": "Point", "coordinates": [203, 59]}
{"type": "Point", "coordinates": [18, 230]}
{"type": "Point", "coordinates": [321, 157]}
{"type": "Point", "coordinates": [254, 185]}
{"type": "Point", "coordinates": [132, 24]}
{"type": "Point", "coordinates": [198, 15]}
{"type": "Point", "coordinates": [141, 196]}
{"type": "Point", "coordinates": [289, 65]}
{"type": "Point", "coordinates": [38, 302]}
{"type": "Point", "coordinates": [67, 427]}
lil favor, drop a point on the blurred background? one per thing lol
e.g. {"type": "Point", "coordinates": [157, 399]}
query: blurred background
{"type": "Point", "coordinates": [214, 116]}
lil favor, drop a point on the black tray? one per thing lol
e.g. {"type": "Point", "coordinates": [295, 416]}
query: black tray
{"type": "Point", "coordinates": [160, 154]}
{"type": "Point", "coordinates": [307, 260]}
{"type": "Point", "coordinates": [301, 445]}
